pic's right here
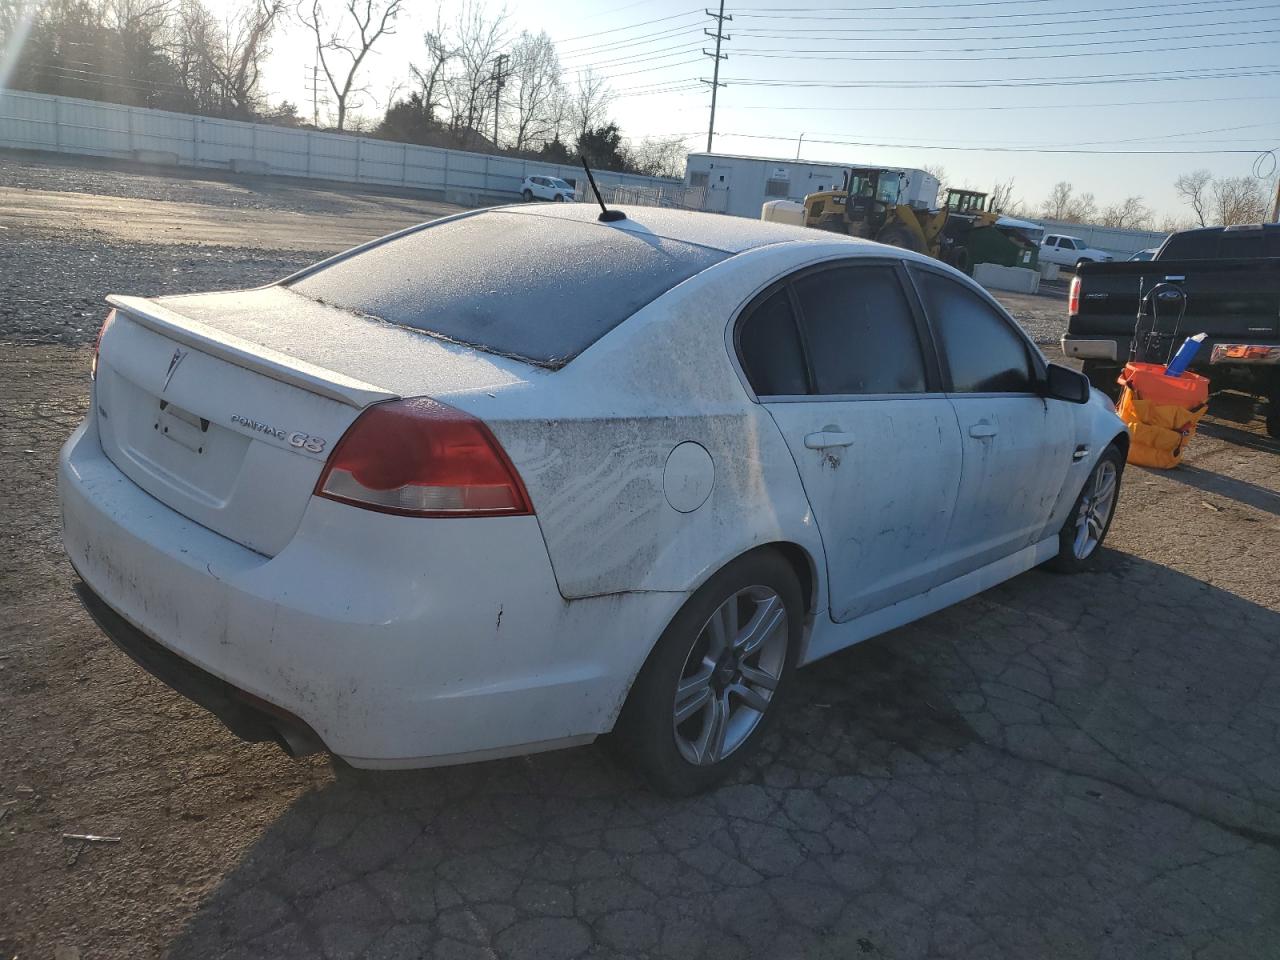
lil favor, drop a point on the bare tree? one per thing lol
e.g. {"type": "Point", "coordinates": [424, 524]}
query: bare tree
{"type": "Point", "coordinates": [1172, 224]}
{"type": "Point", "coordinates": [1058, 203]}
{"type": "Point", "coordinates": [469, 89]}
{"type": "Point", "coordinates": [193, 48]}
{"type": "Point", "coordinates": [237, 59]}
{"type": "Point", "coordinates": [1002, 200]}
{"type": "Point", "coordinates": [431, 77]}
{"type": "Point", "coordinates": [1129, 214]}
{"type": "Point", "coordinates": [1084, 210]}
{"type": "Point", "coordinates": [659, 156]}
{"type": "Point", "coordinates": [536, 79]}
{"type": "Point", "coordinates": [341, 46]}
{"type": "Point", "coordinates": [1193, 188]}
{"type": "Point", "coordinates": [1064, 204]}
{"type": "Point", "coordinates": [1238, 200]}
{"type": "Point", "coordinates": [589, 103]}
{"type": "Point", "coordinates": [939, 171]}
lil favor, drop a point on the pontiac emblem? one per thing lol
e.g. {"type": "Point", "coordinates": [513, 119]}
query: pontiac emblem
{"type": "Point", "coordinates": [178, 356]}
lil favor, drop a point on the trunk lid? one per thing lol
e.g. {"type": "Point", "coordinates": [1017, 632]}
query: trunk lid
{"type": "Point", "coordinates": [225, 406]}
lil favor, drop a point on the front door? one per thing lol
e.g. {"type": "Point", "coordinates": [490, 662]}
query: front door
{"type": "Point", "coordinates": [1017, 444]}
{"type": "Point", "coordinates": [875, 441]}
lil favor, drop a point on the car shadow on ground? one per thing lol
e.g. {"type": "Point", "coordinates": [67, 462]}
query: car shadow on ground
{"type": "Point", "coordinates": [1061, 766]}
{"type": "Point", "coordinates": [1241, 491]}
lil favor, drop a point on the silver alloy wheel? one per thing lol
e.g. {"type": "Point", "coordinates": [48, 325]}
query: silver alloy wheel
{"type": "Point", "coordinates": [730, 675]}
{"type": "Point", "coordinates": [1095, 509]}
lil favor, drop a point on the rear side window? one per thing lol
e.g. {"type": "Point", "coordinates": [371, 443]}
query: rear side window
{"type": "Point", "coordinates": [532, 287]}
{"type": "Point", "coordinates": [860, 332]}
{"type": "Point", "coordinates": [1193, 245]}
{"type": "Point", "coordinates": [1240, 244]}
{"type": "Point", "coordinates": [769, 346]}
{"type": "Point", "coordinates": [983, 352]}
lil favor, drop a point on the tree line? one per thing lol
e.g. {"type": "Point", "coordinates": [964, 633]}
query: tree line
{"type": "Point", "coordinates": [1214, 201]}
{"type": "Point", "coordinates": [477, 84]}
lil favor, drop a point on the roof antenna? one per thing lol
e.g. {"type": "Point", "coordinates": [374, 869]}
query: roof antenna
{"type": "Point", "coordinates": [606, 215]}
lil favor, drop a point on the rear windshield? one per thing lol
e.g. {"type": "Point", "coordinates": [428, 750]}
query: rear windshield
{"type": "Point", "coordinates": [536, 288]}
{"type": "Point", "coordinates": [1222, 244]}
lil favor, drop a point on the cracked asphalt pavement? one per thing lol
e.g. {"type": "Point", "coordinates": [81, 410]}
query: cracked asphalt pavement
{"type": "Point", "coordinates": [1062, 767]}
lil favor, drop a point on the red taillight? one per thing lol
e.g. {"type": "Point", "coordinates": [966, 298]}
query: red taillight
{"type": "Point", "coordinates": [425, 459]}
{"type": "Point", "coordinates": [97, 344]}
{"type": "Point", "coordinates": [1073, 297]}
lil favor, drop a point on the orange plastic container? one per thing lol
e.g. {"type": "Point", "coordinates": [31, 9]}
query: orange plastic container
{"type": "Point", "coordinates": [1147, 380]}
{"type": "Point", "coordinates": [1161, 412]}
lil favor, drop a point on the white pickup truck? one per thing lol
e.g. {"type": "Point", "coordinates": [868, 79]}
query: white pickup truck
{"type": "Point", "coordinates": [1070, 251]}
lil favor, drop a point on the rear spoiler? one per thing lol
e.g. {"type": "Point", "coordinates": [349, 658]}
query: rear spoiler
{"type": "Point", "coordinates": [251, 356]}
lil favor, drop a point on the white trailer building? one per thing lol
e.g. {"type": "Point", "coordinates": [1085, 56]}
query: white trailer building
{"type": "Point", "coordinates": [740, 185]}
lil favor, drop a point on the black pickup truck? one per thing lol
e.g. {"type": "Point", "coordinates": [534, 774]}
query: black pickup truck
{"type": "Point", "coordinates": [1230, 279]}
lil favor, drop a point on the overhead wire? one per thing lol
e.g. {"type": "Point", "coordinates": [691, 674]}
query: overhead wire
{"type": "Point", "coordinates": [826, 15]}
{"type": "Point", "coordinates": [990, 148]}
{"type": "Point", "coordinates": [826, 32]}
{"type": "Point", "coordinates": [912, 56]}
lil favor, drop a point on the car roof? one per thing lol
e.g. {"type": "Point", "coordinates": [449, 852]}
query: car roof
{"type": "Point", "coordinates": [713, 230]}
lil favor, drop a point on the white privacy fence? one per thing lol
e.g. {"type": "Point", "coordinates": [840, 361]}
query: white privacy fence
{"type": "Point", "coordinates": [36, 121]}
{"type": "Point", "coordinates": [1111, 239]}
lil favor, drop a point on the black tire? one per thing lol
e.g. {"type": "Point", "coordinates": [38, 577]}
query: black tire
{"type": "Point", "coordinates": [528, 195]}
{"type": "Point", "coordinates": [1102, 374]}
{"type": "Point", "coordinates": [899, 236]}
{"type": "Point", "coordinates": [1067, 560]}
{"type": "Point", "coordinates": [559, 198]}
{"type": "Point", "coordinates": [645, 735]}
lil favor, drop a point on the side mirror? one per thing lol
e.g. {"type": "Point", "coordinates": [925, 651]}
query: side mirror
{"type": "Point", "coordinates": [1063, 383]}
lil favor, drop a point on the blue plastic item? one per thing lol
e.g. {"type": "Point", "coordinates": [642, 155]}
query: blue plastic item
{"type": "Point", "coordinates": [1186, 353]}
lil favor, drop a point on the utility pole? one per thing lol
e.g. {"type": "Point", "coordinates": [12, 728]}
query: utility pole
{"type": "Point", "coordinates": [799, 144]}
{"type": "Point", "coordinates": [312, 83]}
{"type": "Point", "coordinates": [499, 81]}
{"type": "Point", "coordinates": [718, 36]}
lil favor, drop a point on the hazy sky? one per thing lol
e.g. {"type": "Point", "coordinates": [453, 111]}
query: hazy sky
{"type": "Point", "coordinates": [1070, 75]}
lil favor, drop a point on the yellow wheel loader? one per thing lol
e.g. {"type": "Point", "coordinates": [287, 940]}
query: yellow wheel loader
{"type": "Point", "coordinates": [873, 205]}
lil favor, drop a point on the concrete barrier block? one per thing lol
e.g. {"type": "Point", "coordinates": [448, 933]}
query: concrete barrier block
{"type": "Point", "coordinates": [240, 165]}
{"type": "Point", "coordinates": [166, 157]}
{"type": "Point", "coordinates": [1016, 279]}
{"type": "Point", "coordinates": [1049, 271]}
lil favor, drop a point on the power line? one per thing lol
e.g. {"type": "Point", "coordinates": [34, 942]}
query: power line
{"type": "Point", "coordinates": [1083, 143]}
{"type": "Point", "coordinates": [1199, 73]}
{"type": "Point", "coordinates": [630, 42]}
{"type": "Point", "coordinates": [826, 14]}
{"type": "Point", "coordinates": [1057, 43]}
{"type": "Point", "coordinates": [828, 32]}
{"type": "Point", "coordinates": [993, 149]}
{"type": "Point", "coordinates": [676, 51]}
{"type": "Point", "coordinates": [1091, 105]}
{"type": "Point", "coordinates": [632, 26]}
{"type": "Point", "coordinates": [913, 55]}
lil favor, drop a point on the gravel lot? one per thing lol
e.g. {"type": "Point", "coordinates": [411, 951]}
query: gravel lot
{"type": "Point", "coordinates": [1058, 768]}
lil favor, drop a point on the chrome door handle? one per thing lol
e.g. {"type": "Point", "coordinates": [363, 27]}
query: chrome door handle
{"type": "Point", "coordinates": [983, 430]}
{"type": "Point", "coordinates": [825, 439]}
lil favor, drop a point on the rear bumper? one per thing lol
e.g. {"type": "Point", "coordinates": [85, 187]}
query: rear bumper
{"type": "Point", "coordinates": [396, 642]}
{"type": "Point", "coordinates": [1093, 348]}
{"type": "Point", "coordinates": [248, 717]}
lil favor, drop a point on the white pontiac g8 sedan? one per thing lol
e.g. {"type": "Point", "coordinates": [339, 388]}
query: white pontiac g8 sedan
{"type": "Point", "coordinates": [422, 504]}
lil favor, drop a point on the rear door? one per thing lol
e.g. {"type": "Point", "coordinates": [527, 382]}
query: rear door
{"type": "Point", "coordinates": [836, 356]}
{"type": "Point", "coordinates": [1017, 445]}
